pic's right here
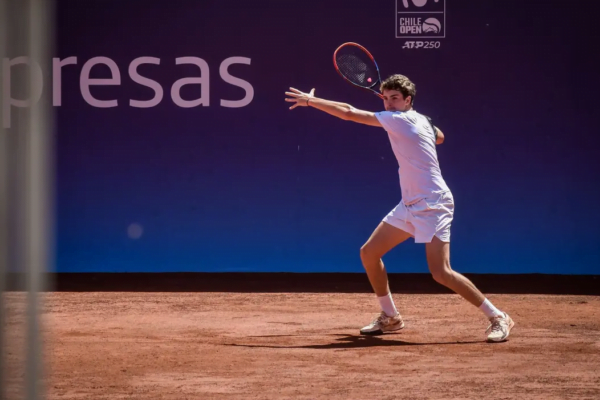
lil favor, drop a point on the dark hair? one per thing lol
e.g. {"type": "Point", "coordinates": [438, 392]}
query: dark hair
{"type": "Point", "coordinates": [400, 83]}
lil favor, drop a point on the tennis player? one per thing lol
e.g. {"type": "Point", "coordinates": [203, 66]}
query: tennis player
{"type": "Point", "coordinates": [425, 211]}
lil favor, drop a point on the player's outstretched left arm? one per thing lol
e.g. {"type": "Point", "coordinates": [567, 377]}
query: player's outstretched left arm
{"type": "Point", "coordinates": [341, 110]}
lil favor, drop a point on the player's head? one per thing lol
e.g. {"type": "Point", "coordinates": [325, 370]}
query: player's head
{"type": "Point", "coordinates": [398, 93]}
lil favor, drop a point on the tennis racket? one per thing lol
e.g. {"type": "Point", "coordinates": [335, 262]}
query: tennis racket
{"type": "Point", "coordinates": [356, 65]}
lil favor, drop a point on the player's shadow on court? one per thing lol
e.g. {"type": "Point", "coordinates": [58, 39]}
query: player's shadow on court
{"type": "Point", "coordinates": [351, 342]}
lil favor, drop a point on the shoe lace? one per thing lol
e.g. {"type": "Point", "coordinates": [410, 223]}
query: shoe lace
{"type": "Point", "coordinates": [380, 317]}
{"type": "Point", "coordinates": [496, 325]}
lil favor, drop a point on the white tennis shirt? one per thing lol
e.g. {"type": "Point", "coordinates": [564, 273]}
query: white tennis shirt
{"type": "Point", "coordinates": [413, 143]}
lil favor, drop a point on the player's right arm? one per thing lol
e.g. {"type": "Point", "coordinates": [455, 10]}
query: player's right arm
{"type": "Point", "coordinates": [440, 136]}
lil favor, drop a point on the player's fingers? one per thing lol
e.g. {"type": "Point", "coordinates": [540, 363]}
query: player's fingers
{"type": "Point", "coordinates": [291, 100]}
{"type": "Point", "coordinates": [295, 90]}
{"type": "Point", "coordinates": [292, 94]}
{"type": "Point", "coordinates": [312, 92]}
{"type": "Point", "coordinates": [294, 106]}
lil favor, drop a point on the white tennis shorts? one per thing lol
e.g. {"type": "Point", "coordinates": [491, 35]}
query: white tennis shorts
{"type": "Point", "coordinates": [425, 218]}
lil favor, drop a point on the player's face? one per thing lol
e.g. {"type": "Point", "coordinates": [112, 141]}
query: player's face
{"type": "Point", "coordinates": [393, 100]}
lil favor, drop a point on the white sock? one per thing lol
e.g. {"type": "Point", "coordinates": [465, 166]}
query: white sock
{"type": "Point", "coordinates": [489, 310]}
{"type": "Point", "coordinates": [387, 305]}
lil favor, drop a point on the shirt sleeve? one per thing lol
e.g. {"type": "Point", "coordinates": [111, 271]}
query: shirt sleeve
{"type": "Point", "coordinates": [393, 122]}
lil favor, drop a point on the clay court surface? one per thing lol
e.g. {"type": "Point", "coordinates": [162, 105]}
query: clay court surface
{"type": "Point", "coordinates": [128, 345]}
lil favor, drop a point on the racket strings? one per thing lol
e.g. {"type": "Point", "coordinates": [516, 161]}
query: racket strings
{"type": "Point", "coordinates": [356, 66]}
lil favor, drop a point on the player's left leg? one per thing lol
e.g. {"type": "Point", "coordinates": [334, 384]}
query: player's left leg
{"type": "Point", "coordinates": [438, 259]}
{"type": "Point", "coordinates": [384, 238]}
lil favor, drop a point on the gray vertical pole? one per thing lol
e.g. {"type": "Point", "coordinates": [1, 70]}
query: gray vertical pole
{"type": "Point", "coordinates": [37, 191]}
{"type": "Point", "coordinates": [3, 198]}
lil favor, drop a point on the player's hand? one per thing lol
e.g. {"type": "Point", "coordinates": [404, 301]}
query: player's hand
{"type": "Point", "coordinates": [299, 98]}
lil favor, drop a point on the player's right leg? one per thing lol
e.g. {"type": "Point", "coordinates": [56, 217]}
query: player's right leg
{"type": "Point", "coordinates": [438, 259]}
{"type": "Point", "coordinates": [384, 238]}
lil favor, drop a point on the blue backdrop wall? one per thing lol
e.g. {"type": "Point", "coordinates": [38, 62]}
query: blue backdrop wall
{"type": "Point", "coordinates": [198, 165]}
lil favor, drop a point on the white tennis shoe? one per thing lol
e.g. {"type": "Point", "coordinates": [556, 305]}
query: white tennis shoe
{"type": "Point", "coordinates": [383, 323]}
{"type": "Point", "coordinates": [499, 328]}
